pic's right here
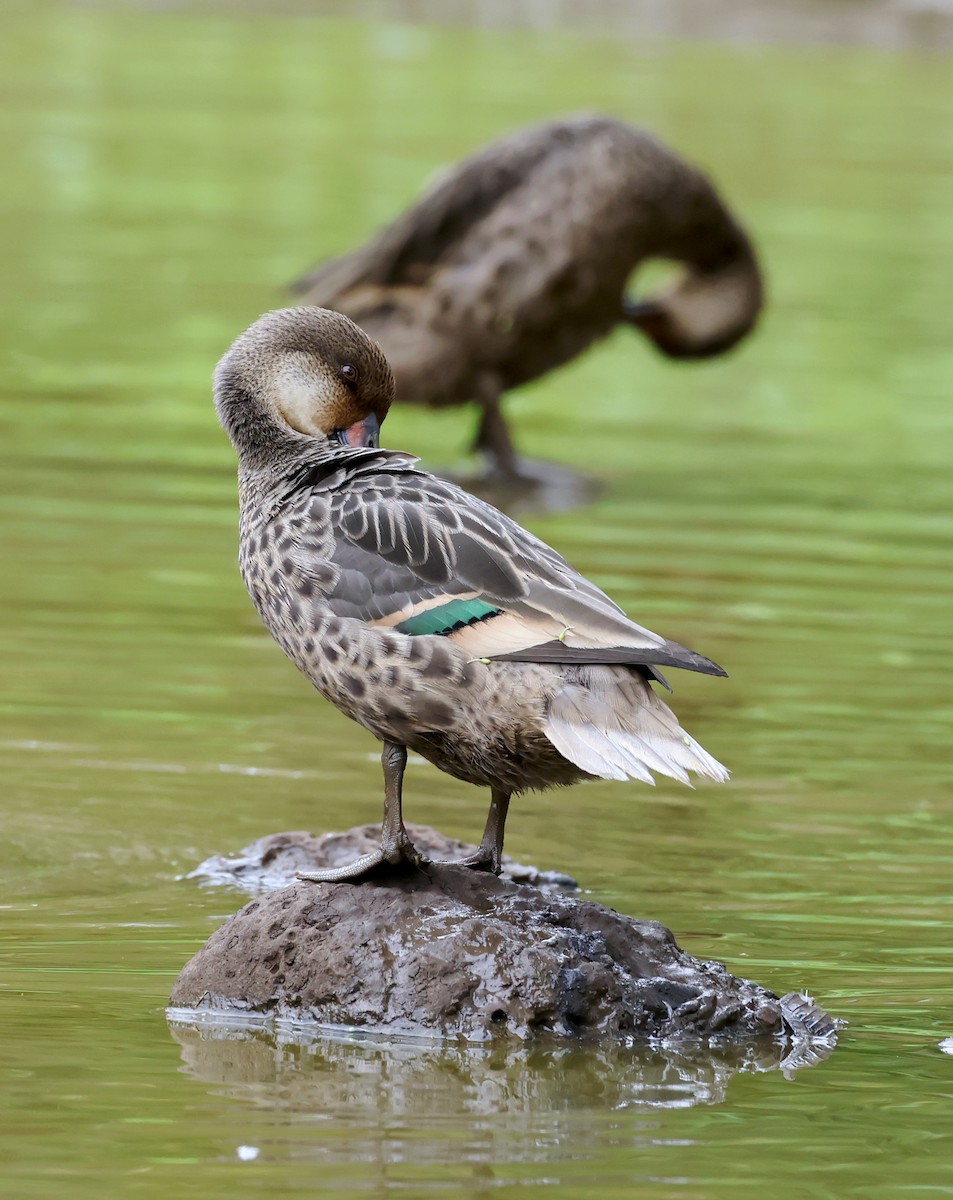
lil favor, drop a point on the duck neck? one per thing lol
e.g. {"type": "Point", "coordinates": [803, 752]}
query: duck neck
{"type": "Point", "coordinates": [268, 451]}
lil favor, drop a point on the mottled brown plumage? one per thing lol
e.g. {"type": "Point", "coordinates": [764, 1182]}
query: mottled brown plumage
{"type": "Point", "coordinates": [518, 260]}
{"type": "Point", "coordinates": [424, 614]}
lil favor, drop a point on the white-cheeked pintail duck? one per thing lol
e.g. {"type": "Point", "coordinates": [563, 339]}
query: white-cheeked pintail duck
{"type": "Point", "coordinates": [421, 612]}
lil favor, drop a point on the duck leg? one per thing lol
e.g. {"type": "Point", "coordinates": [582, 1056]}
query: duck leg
{"type": "Point", "coordinates": [489, 857]}
{"type": "Point", "coordinates": [396, 847]}
{"type": "Point", "coordinates": [553, 486]}
{"type": "Point", "coordinates": [493, 439]}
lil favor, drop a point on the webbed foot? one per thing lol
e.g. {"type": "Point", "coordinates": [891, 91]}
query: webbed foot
{"type": "Point", "coordinates": [398, 857]}
{"type": "Point", "coordinates": [483, 860]}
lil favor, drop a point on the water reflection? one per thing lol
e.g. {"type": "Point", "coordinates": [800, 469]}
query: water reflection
{"type": "Point", "coordinates": [374, 1081]}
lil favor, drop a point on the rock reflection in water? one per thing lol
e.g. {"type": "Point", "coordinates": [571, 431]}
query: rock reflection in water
{"type": "Point", "coordinates": [365, 1077]}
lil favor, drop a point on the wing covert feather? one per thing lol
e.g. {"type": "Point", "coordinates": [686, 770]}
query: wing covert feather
{"type": "Point", "coordinates": [402, 543]}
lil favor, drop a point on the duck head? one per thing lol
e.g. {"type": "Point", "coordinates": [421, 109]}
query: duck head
{"type": "Point", "coordinates": [299, 376]}
{"type": "Point", "coordinates": [703, 314]}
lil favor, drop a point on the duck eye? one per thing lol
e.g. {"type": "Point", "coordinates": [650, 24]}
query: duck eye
{"type": "Point", "coordinates": [349, 374]}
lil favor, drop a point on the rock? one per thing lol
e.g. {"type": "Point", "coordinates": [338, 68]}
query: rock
{"type": "Point", "coordinates": [274, 861]}
{"type": "Point", "coordinates": [462, 954]}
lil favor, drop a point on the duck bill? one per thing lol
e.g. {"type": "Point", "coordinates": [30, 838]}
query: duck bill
{"type": "Point", "coordinates": [643, 314]}
{"type": "Point", "coordinates": [361, 433]}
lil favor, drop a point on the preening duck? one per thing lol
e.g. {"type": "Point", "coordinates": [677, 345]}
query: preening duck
{"type": "Point", "coordinates": [518, 260]}
{"type": "Point", "coordinates": [421, 612]}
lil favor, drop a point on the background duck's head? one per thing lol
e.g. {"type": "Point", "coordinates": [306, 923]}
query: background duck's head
{"type": "Point", "coordinates": [714, 304]}
{"type": "Point", "coordinates": [302, 372]}
{"type": "Point", "coordinates": [704, 313]}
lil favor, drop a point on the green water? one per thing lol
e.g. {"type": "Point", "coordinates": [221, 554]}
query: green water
{"type": "Point", "coordinates": [786, 511]}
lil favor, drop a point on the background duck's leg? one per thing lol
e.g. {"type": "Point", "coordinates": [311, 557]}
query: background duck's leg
{"type": "Point", "coordinates": [493, 439]}
{"type": "Point", "coordinates": [508, 475]}
{"type": "Point", "coordinates": [396, 847]}
{"type": "Point", "coordinates": [489, 857]}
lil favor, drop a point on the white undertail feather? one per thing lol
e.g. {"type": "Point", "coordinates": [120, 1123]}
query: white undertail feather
{"type": "Point", "coordinates": [616, 727]}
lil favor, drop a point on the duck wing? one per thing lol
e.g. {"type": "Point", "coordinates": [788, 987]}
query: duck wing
{"type": "Point", "coordinates": [419, 555]}
{"type": "Point", "coordinates": [407, 249]}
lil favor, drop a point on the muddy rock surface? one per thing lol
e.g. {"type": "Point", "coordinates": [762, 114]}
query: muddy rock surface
{"type": "Point", "coordinates": [462, 954]}
{"type": "Point", "coordinates": [273, 861]}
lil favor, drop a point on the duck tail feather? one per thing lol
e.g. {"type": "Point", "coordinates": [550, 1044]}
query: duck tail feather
{"type": "Point", "coordinates": [571, 744]}
{"type": "Point", "coordinates": [623, 729]}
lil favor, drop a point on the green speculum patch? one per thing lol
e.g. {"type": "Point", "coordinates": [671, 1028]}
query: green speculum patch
{"type": "Point", "coordinates": [447, 618]}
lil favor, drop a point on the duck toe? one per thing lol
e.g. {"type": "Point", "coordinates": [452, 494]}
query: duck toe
{"type": "Point", "coordinates": [382, 861]}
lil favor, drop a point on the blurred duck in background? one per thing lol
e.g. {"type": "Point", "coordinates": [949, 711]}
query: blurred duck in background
{"type": "Point", "coordinates": [518, 260]}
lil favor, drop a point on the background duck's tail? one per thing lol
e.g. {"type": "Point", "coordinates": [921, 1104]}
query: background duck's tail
{"type": "Point", "coordinates": [613, 725]}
